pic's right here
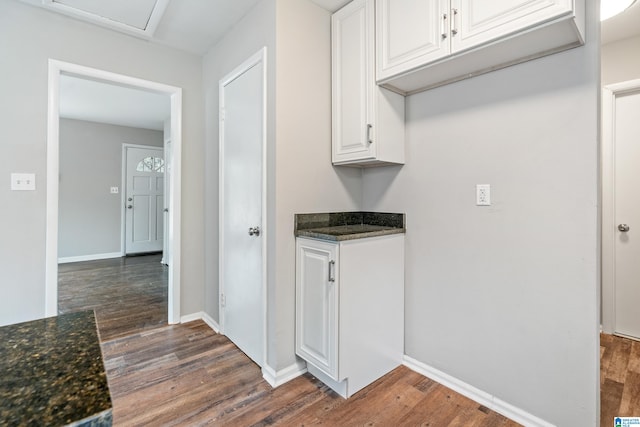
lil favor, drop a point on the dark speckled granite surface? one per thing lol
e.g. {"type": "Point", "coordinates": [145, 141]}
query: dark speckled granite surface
{"type": "Point", "coordinates": [52, 373]}
{"type": "Point", "coordinates": [338, 226]}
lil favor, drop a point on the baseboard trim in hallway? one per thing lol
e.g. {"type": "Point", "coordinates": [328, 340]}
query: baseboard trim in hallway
{"type": "Point", "coordinates": [92, 257]}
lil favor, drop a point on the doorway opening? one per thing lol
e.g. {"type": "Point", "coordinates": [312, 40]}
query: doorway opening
{"type": "Point", "coordinates": [57, 69]}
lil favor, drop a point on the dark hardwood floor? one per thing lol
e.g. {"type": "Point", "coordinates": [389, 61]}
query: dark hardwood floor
{"type": "Point", "coordinates": [189, 375]}
{"type": "Point", "coordinates": [619, 378]}
{"type": "Point", "coordinates": [128, 294]}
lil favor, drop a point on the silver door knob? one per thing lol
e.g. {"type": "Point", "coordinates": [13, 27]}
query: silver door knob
{"type": "Point", "coordinates": [254, 231]}
{"type": "Point", "coordinates": [129, 206]}
{"type": "Point", "coordinates": [623, 227]}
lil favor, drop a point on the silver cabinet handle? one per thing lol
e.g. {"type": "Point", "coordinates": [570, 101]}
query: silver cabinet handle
{"type": "Point", "coordinates": [369, 126]}
{"type": "Point", "coordinates": [254, 231]}
{"type": "Point", "coordinates": [624, 228]}
{"type": "Point", "coordinates": [332, 271]}
{"type": "Point", "coordinates": [454, 30]}
{"type": "Point", "coordinates": [444, 26]}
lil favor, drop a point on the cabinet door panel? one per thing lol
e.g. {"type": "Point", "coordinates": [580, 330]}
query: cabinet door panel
{"type": "Point", "coordinates": [481, 21]}
{"type": "Point", "coordinates": [410, 33]}
{"type": "Point", "coordinates": [352, 72]}
{"type": "Point", "coordinates": [316, 304]}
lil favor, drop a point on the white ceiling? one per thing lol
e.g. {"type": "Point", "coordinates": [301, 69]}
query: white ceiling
{"type": "Point", "coordinates": [193, 26]}
{"type": "Point", "coordinates": [94, 101]}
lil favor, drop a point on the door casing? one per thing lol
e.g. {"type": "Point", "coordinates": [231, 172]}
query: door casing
{"type": "Point", "coordinates": [608, 227]}
{"type": "Point", "coordinates": [260, 56]}
{"type": "Point", "coordinates": [56, 68]}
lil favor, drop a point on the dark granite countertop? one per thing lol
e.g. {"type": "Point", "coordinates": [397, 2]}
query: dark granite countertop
{"type": "Point", "coordinates": [338, 226]}
{"type": "Point", "coordinates": [52, 373]}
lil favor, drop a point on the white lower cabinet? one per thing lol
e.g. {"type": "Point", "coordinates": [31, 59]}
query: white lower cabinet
{"type": "Point", "coordinates": [350, 309]}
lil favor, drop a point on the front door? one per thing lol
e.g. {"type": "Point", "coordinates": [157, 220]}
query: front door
{"type": "Point", "coordinates": [144, 200]}
{"type": "Point", "coordinates": [242, 135]}
{"type": "Point", "coordinates": [627, 213]}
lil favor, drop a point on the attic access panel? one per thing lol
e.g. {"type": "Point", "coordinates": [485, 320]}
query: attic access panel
{"type": "Point", "coordinates": [139, 17]}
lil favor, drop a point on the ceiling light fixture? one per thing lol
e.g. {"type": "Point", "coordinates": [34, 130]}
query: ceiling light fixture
{"type": "Point", "coordinates": [610, 8]}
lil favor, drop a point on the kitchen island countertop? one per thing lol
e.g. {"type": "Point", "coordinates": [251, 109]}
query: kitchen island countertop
{"type": "Point", "coordinates": [52, 373]}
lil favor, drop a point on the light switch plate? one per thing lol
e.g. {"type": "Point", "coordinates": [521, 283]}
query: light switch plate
{"type": "Point", "coordinates": [23, 181]}
{"type": "Point", "coordinates": [114, 190]}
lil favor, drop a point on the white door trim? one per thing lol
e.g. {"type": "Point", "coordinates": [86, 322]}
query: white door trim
{"type": "Point", "coordinates": [609, 94]}
{"type": "Point", "coordinates": [56, 68]}
{"type": "Point", "coordinates": [259, 57]}
{"type": "Point", "coordinates": [123, 195]}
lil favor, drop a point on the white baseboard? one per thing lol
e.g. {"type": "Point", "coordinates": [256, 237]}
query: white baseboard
{"type": "Point", "coordinates": [191, 317]}
{"type": "Point", "coordinates": [93, 257]}
{"type": "Point", "coordinates": [277, 378]}
{"type": "Point", "coordinates": [201, 315]}
{"type": "Point", "coordinates": [512, 412]}
{"type": "Point", "coordinates": [274, 378]}
{"type": "Point", "coordinates": [212, 323]}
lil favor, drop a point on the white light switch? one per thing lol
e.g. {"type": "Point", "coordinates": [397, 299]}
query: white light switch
{"type": "Point", "coordinates": [114, 190]}
{"type": "Point", "coordinates": [23, 181]}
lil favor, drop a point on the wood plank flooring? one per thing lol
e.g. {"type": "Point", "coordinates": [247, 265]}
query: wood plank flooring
{"type": "Point", "coordinates": [189, 375]}
{"type": "Point", "coordinates": [619, 378]}
{"type": "Point", "coordinates": [128, 294]}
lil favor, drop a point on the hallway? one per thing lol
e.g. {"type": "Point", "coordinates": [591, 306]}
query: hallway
{"type": "Point", "coordinates": [128, 294]}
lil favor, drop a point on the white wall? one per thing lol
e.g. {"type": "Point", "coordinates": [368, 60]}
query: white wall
{"type": "Point", "coordinates": [621, 61]}
{"type": "Point", "coordinates": [306, 181]}
{"type": "Point", "coordinates": [300, 175]}
{"type": "Point", "coordinates": [29, 36]}
{"type": "Point", "coordinates": [505, 298]}
{"type": "Point", "coordinates": [89, 220]}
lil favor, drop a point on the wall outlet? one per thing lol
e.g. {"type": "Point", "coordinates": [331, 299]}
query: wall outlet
{"type": "Point", "coordinates": [114, 190]}
{"type": "Point", "coordinates": [483, 195]}
{"type": "Point", "coordinates": [23, 181]}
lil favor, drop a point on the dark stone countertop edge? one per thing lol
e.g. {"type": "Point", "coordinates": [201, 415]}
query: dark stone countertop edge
{"type": "Point", "coordinates": [338, 238]}
{"type": "Point", "coordinates": [339, 226]}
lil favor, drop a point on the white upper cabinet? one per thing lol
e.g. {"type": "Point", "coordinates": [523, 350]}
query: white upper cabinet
{"type": "Point", "coordinates": [479, 21]}
{"type": "Point", "coordinates": [427, 43]}
{"type": "Point", "coordinates": [410, 33]}
{"type": "Point", "coordinates": [367, 120]}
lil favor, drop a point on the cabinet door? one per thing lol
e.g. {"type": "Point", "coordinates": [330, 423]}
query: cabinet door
{"type": "Point", "coordinates": [317, 304]}
{"type": "Point", "coordinates": [353, 68]}
{"type": "Point", "coordinates": [480, 21]}
{"type": "Point", "coordinates": [410, 33]}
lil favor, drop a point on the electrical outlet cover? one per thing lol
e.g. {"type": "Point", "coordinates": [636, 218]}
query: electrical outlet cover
{"type": "Point", "coordinates": [483, 195]}
{"type": "Point", "coordinates": [23, 181]}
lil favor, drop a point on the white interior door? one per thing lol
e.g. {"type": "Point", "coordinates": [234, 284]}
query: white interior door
{"type": "Point", "coordinates": [242, 136]}
{"type": "Point", "coordinates": [627, 213]}
{"type": "Point", "coordinates": [144, 195]}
